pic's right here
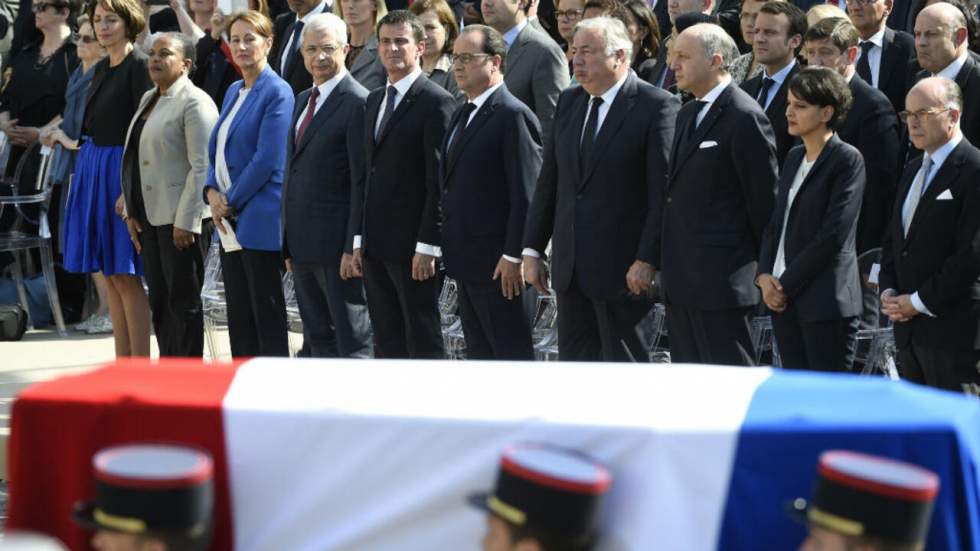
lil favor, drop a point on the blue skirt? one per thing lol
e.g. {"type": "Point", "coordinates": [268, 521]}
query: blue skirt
{"type": "Point", "coordinates": [96, 239]}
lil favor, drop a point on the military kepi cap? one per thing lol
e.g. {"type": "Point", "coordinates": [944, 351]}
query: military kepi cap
{"type": "Point", "coordinates": [547, 488]}
{"type": "Point", "coordinates": [143, 488]}
{"type": "Point", "coordinates": [868, 496]}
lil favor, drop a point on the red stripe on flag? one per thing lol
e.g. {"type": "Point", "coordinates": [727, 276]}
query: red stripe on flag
{"type": "Point", "coordinates": [57, 426]}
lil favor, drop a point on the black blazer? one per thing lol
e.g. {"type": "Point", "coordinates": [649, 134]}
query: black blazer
{"type": "Point", "coordinates": [486, 185]}
{"type": "Point", "coordinates": [968, 80]}
{"type": "Point", "coordinates": [872, 127]}
{"type": "Point", "coordinates": [897, 56]}
{"type": "Point", "coordinates": [296, 75]}
{"type": "Point", "coordinates": [940, 257]}
{"type": "Point", "coordinates": [821, 278]}
{"type": "Point", "coordinates": [606, 216]}
{"type": "Point", "coordinates": [316, 187]}
{"type": "Point", "coordinates": [719, 201]}
{"type": "Point", "coordinates": [776, 111]}
{"type": "Point", "coordinates": [395, 198]}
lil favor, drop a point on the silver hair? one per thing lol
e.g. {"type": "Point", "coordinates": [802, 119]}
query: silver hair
{"type": "Point", "coordinates": [614, 33]}
{"type": "Point", "coordinates": [948, 91]}
{"type": "Point", "coordinates": [715, 41]}
{"type": "Point", "coordinates": [325, 22]}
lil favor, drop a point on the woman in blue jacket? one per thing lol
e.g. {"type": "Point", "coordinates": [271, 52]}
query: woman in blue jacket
{"type": "Point", "coordinates": [247, 153]}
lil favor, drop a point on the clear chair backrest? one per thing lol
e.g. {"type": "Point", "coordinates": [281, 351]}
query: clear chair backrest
{"type": "Point", "coordinates": [868, 266]}
{"type": "Point", "coordinates": [289, 292]}
{"type": "Point", "coordinates": [213, 287]}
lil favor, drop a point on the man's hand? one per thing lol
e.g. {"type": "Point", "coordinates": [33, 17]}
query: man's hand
{"type": "Point", "coordinates": [511, 279]}
{"type": "Point", "coordinates": [639, 278]}
{"type": "Point", "coordinates": [182, 238]}
{"type": "Point", "coordinates": [134, 229]}
{"type": "Point", "coordinates": [350, 265]}
{"type": "Point", "coordinates": [898, 308]}
{"type": "Point", "coordinates": [23, 135]}
{"type": "Point", "coordinates": [536, 274]}
{"type": "Point", "coordinates": [772, 292]}
{"type": "Point", "coordinates": [423, 266]}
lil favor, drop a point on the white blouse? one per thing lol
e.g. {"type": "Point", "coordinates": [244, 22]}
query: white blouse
{"type": "Point", "coordinates": [220, 166]}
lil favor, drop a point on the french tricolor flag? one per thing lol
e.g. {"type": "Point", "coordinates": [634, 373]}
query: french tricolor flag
{"type": "Point", "coordinates": [380, 455]}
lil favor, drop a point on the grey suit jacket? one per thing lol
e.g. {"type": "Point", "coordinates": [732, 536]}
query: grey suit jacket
{"type": "Point", "coordinates": [173, 155]}
{"type": "Point", "coordinates": [367, 69]}
{"type": "Point", "coordinates": [536, 71]}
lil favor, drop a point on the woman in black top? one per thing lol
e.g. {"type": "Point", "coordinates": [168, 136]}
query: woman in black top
{"type": "Point", "coordinates": [645, 33]}
{"type": "Point", "coordinates": [34, 94]}
{"type": "Point", "coordinates": [96, 239]}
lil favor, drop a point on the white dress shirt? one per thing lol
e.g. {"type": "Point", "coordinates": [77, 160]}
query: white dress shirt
{"type": "Point", "coordinates": [325, 90]}
{"type": "Point", "coordinates": [938, 157]}
{"type": "Point", "coordinates": [779, 265]}
{"type": "Point", "coordinates": [320, 8]}
{"type": "Point", "coordinates": [511, 35]}
{"type": "Point", "coordinates": [401, 88]}
{"type": "Point", "coordinates": [952, 70]}
{"type": "Point", "coordinates": [874, 55]}
{"type": "Point", "coordinates": [710, 98]}
{"type": "Point", "coordinates": [220, 166]}
{"type": "Point", "coordinates": [779, 78]}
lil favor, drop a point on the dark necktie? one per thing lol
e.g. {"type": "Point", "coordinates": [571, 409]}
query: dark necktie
{"type": "Point", "coordinates": [764, 90]}
{"type": "Point", "coordinates": [293, 46]}
{"type": "Point", "coordinates": [310, 108]}
{"type": "Point", "coordinates": [457, 135]}
{"type": "Point", "coordinates": [864, 64]}
{"type": "Point", "coordinates": [588, 137]}
{"type": "Point", "coordinates": [389, 109]}
{"type": "Point", "coordinates": [692, 127]}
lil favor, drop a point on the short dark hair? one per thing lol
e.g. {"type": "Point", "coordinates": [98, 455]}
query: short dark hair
{"type": "Point", "coordinates": [607, 6]}
{"type": "Point", "coordinates": [188, 48]}
{"type": "Point", "coordinates": [406, 17]}
{"type": "Point", "coordinates": [129, 11]}
{"type": "Point", "coordinates": [839, 31]}
{"type": "Point", "coordinates": [548, 540]}
{"type": "Point", "coordinates": [823, 87]}
{"type": "Point", "coordinates": [796, 16]}
{"type": "Point", "coordinates": [493, 42]}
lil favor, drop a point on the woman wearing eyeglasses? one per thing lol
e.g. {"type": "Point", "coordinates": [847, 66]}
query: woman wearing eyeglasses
{"type": "Point", "coordinates": [568, 13]}
{"type": "Point", "coordinates": [808, 270]}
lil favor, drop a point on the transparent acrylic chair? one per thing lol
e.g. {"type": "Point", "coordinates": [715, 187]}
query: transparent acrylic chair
{"type": "Point", "coordinates": [294, 323]}
{"type": "Point", "coordinates": [213, 305]}
{"type": "Point", "coordinates": [453, 339]}
{"type": "Point", "coordinates": [875, 339]}
{"type": "Point", "coordinates": [22, 237]}
{"type": "Point", "coordinates": [544, 330]}
{"type": "Point", "coordinates": [653, 329]}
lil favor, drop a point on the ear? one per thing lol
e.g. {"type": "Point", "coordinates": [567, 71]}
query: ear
{"type": "Point", "coordinates": [960, 36]}
{"type": "Point", "coordinates": [852, 54]}
{"type": "Point", "coordinates": [826, 113]}
{"type": "Point", "coordinates": [889, 5]}
{"type": "Point", "coordinates": [796, 40]}
{"type": "Point", "coordinates": [709, 6]}
{"type": "Point", "coordinates": [954, 116]}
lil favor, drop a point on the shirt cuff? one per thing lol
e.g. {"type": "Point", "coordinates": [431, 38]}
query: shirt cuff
{"type": "Point", "coordinates": [425, 248]}
{"type": "Point", "coordinates": [357, 242]}
{"type": "Point", "coordinates": [919, 305]}
{"type": "Point", "coordinates": [531, 252]}
{"type": "Point", "coordinates": [512, 259]}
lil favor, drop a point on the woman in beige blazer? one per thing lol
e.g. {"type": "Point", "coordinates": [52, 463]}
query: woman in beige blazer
{"type": "Point", "coordinates": [165, 166]}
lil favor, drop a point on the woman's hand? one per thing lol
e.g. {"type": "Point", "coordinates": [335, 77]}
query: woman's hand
{"type": "Point", "coordinates": [120, 206]}
{"type": "Point", "coordinates": [134, 229]}
{"type": "Point", "coordinates": [219, 208]}
{"type": "Point", "coordinates": [24, 135]}
{"type": "Point", "coordinates": [183, 239]}
{"type": "Point", "coordinates": [217, 23]}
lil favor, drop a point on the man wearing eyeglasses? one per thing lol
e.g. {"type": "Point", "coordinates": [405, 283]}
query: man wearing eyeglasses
{"type": "Point", "coordinates": [941, 40]}
{"type": "Point", "coordinates": [285, 57]}
{"type": "Point", "coordinates": [884, 54]}
{"type": "Point", "coordinates": [490, 162]}
{"type": "Point", "coordinates": [930, 259]}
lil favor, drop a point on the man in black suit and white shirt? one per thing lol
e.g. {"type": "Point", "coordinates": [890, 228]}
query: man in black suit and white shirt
{"type": "Point", "coordinates": [942, 48]}
{"type": "Point", "coordinates": [779, 30]}
{"type": "Point", "coordinates": [490, 162]}
{"type": "Point", "coordinates": [870, 125]}
{"type": "Point", "coordinates": [394, 220]}
{"type": "Point", "coordinates": [886, 58]}
{"type": "Point", "coordinates": [719, 197]}
{"type": "Point", "coordinates": [537, 69]}
{"type": "Point", "coordinates": [931, 255]}
{"type": "Point", "coordinates": [316, 195]}
{"type": "Point", "coordinates": [598, 198]}
{"type": "Point", "coordinates": [285, 57]}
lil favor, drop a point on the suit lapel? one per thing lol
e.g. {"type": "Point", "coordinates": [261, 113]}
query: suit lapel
{"type": "Point", "coordinates": [710, 118]}
{"type": "Point", "coordinates": [827, 152]}
{"type": "Point", "coordinates": [330, 104]}
{"type": "Point", "coordinates": [481, 117]}
{"type": "Point", "coordinates": [887, 58]}
{"type": "Point", "coordinates": [571, 135]}
{"type": "Point", "coordinates": [621, 105]}
{"type": "Point", "coordinates": [517, 49]}
{"type": "Point", "coordinates": [364, 58]}
{"type": "Point", "coordinates": [939, 184]}
{"type": "Point", "coordinates": [403, 106]}
{"type": "Point", "coordinates": [250, 100]}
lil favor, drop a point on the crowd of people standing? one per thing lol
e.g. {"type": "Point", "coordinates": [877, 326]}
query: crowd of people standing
{"type": "Point", "coordinates": [729, 159]}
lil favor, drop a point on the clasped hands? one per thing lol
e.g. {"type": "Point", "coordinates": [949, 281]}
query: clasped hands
{"type": "Point", "coordinates": [898, 308]}
{"type": "Point", "coordinates": [772, 292]}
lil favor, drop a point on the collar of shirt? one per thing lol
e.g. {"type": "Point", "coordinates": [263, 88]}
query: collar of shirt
{"type": "Point", "coordinates": [939, 156]}
{"type": "Point", "coordinates": [406, 82]}
{"type": "Point", "coordinates": [781, 75]}
{"type": "Point", "coordinates": [878, 38]}
{"type": "Point", "coordinates": [952, 70]}
{"type": "Point", "coordinates": [327, 87]}
{"type": "Point", "coordinates": [713, 94]}
{"type": "Point", "coordinates": [478, 101]}
{"type": "Point", "coordinates": [610, 94]}
{"type": "Point", "coordinates": [511, 35]}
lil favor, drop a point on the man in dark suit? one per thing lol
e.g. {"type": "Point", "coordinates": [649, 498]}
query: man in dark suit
{"type": "Point", "coordinates": [943, 51]}
{"type": "Point", "coordinates": [537, 69]}
{"type": "Point", "coordinates": [598, 198]}
{"type": "Point", "coordinates": [931, 255]}
{"type": "Point", "coordinates": [870, 125]}
{"type": "Point", "coordinates": [490, 161]}
{"type": "Point", "coordinates": [394, 220]}
{"type": "Point", "coordinates": [884, 55]}
{"type": "Point", "coordinates": [779, 30]}
{"type": "Point", "coordinates": [316, 195]}
{"type": "Point", "coordinates": [719, 198]}
{"type": "Point", "coordinates": [285, 56]}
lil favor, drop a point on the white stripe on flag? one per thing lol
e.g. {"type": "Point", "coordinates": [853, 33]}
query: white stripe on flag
{"type": "Point", "coordinates": [380, 455]}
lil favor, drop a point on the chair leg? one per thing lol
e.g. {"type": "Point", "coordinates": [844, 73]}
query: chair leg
{"type": "Point", "coordinates": [18, 274]}
{"type": "Point", "coordinates": [47, 266]}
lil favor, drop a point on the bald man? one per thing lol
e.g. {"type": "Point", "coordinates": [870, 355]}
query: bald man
{"type": "Point", "coordinates": [930, 258]}
{"type": "Point", "coordinates": [941, 41]}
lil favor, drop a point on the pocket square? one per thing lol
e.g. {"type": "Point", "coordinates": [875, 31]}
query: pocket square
{"type": "Point", "coordinates": [707, 144]}
{"type": "Point", "coordinates": [945, 196]}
